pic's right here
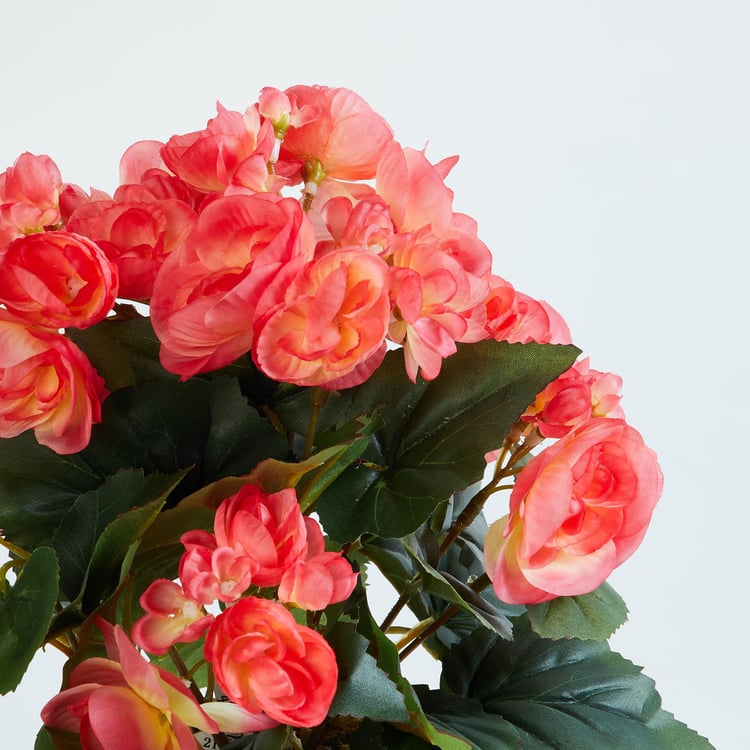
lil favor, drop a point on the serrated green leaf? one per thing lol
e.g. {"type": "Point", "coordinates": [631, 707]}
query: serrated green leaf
{"type": "Point", "coordinates": [561, 695]}
{"type": "Point", "coordinates": [364, 690]}
{"type": "Point", "coordinates": [593, 616]}
{"type": "Point", "coordinates": [205, 426]}
{"type": "Point", "coordinates": [102, 575]}
{"type": "Point", "coordinates": [124, 352]}
{"type": "Point", "coordinates": [83, 524]}
{"type": "Point", "coordinates": [26, 610]}
{"type": "Point", "coordinates": [43, 740]}
{"type": "Point", "coordinates": [434, 435]}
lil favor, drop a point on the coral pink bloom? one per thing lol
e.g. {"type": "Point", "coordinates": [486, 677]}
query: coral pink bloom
{"type": "Point", "coordinates": [125, 703]}
{"type": "Point", "coordinates": [171, 617]}
{"type": "Point", "coordinates": [209, 572]}
{"type": "Point", "coordinates": [436, 302]}
{"type": "Point", "coordinates": [268, 664]}
{"type": "Point", "coordinates": [577, 395]}
{"type": "Point", "coordinates": [57, 280]}
{"type": "Point", "coordinates": [346, 136]}
{"type": "Point", "coordinates": [206, 292]}
{"type": "Point", "coordinates": [137, 235]}
{"type": "Point", "coordinates": [46, 384]}
{"type": "Point", "coordinates": [414, 189]}
{"type": "Point", "coordinates": [326, 578]}
{"type": "Point", "coordinates": [363, 223]}
{"type": "Point", "coordinates": [329, 326]}
{"type": "Point", "coordinates": [519, 319]}
{"type": "Point", "coordinates": [267, 528]}
{"type": "Point", "coordinates": [577, 511]}
{"type": "Point", "coordinates": [323, 578]}
{"type": "Point", "coordinates": [233, 146]}
{"type": "Point", "coordinates": [29, 196]}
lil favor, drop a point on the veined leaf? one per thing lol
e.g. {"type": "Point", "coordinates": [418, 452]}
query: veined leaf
{"type": "Point", "coordinates": [435, 434]}
{"type": "Point", "coordinates": [26, 610]}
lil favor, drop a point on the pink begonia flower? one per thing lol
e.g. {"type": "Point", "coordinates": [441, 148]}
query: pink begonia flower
{"type": "Point", "coordinates": [268, 664]}
{"type": "Point", "coordinates": [206, 292]}
{"type": "Point", "coordinates": [329, 324]}
{"type": "Point", "coordinates": [268, 528]}
{"type": "Point", "coordinates": [57, 280]}
{"type": "Point", "coordinates": [46, 384]}
{"type": "Point", "coordinates": [578, 510]}
{"type": "Point", "coordinates": [29, 196]}
{"type": "Point", "coordinates": [346, 136]}
{"type": "Point", "coordinates": [519, 319]}
{"type": "Point", "coordinates": [348, 222]}
{"type": "Point", "coordinates": [123, 702]}
{"type": "Point", "coordinates": [436, 301]}
{"type": "Point", "coordinates": [136, 235]}
{"type": "Point", "coordinates": [577, 395]}
{"type": "Point", "coordinates": [313, 584]}
{"type": "Point", "coordinates": [171, 617]}
{"type": "Point", "coordinates": [210, 573]}
{"type": "Point", "coordinates": [414, 189]}
{"type": "Point", "coordinates": [234, 146]}
{"type": "Point", "coordinates": [323, 578]}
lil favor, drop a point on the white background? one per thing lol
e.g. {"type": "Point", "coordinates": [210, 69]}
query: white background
{"type": "Point", "coordinates": [605, 152]}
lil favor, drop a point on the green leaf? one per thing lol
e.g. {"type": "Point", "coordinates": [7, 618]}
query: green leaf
{"type": "Point", "coordinates": [434, 435]}
{"type": "Point", "coordinates": [594, 616]}
{"type": "Point", "coordinates": [43, 740]}
{"type": "Point", "coordinates": [83, 524]}
{"type": "Point", "coordinates": [111, 549]}
{"type": "Point", "coordinates": [561, 695]}
{"type": "Point", "coordinates": [124, 352]}
{"type": "Point", "coordinates": [26, 610]}
{"type": "Point", "coordinates": [164, 427]}
{"type": "Point", "coordinates": [364, 690]}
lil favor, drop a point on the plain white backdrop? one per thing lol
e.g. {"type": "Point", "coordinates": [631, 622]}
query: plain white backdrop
{"type": "Point", "coordinates": [605, 152]}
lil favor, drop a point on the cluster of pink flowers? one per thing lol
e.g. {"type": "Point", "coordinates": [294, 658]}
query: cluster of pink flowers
{"type": "Point", "coordinates": [199, 228]}
{"type": "Point", "coordinates": [272, 669]}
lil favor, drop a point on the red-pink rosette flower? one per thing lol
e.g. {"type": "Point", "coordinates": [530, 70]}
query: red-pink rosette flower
{"type": "Point", "coordinates": [233, 147]}
{"type": "Point", "coordinates": [577, 511]}
{"type": "Point", "coordinates": [268, 664]}
{"type": "Point", "coordinates": [519, 319]}
{"type": "Point", "coordinates": [329, 324]}
{"type": "Point", "coordinates": [29, 196]}
{"type": "Point", "coordinates": [346, 135]}
{"type": "Point", "coordinates": [136, 235]}
{"type": "Point", "coordinates": [571, 399]}
{"type": "Point", "coordinates": [206, 292]}
{"type": "Point", "coordinates": [267, 528]}
{"type": "Point", "coordinates": [57, 280]}
{"type": "Point", "coordinates": [436, 300]}
{"type": "Point", "coordinates": [46, 384]}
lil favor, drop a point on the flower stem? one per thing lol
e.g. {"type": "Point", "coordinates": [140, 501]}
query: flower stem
{"type": "Point", "coordinates": [318, 398]}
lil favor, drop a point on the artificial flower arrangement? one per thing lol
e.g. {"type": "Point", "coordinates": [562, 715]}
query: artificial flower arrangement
{"type": "Point", "coordinates": [225, 400]}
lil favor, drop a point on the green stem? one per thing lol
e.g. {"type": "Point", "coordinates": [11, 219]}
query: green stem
{"type": "Point", "coordinates": [318, 398]}
{"type": "Point", "coordinates": [401, 602]}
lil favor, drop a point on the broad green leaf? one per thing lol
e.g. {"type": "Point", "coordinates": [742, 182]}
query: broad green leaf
{"type": "Point", "coordinates": [561, 695]}
{"type": "Point", "coordinates": [205, 426]}
{"type": "Point", "coordinates": [26, 610]}
{"type": "Point", "coordinates": [364, 690]}
{"type": "Point", "coordinates": [102, 575]}
{"type": "Point", "coordinates": [434, 435]}
{"type": "Point", "coordinates": [594, 616]}
{"type": "Point", "coordinates": [124, 352]}
{"type": "Point", "coordinates": [43, 741]}
{"type": "Point", "coordinates": [83, 524]}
